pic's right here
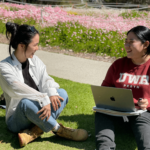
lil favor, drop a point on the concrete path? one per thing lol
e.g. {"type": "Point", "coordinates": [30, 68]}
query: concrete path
{"type": "Point", "coordinates": [69, 67]}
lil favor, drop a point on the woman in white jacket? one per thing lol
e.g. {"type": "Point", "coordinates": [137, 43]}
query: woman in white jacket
{"type": "Point", "coordinates": [33, 98]}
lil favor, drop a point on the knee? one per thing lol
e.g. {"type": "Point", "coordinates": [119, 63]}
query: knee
{"type": "Point", "coordinates": [105, 140]}
{"type": "Point", "coordinates": [23, 104]}
{"type": "Point", "coordinates": [62, 93]}
{"type": "Point", "coordinates": [25, 101]}
{"type": "Point", "coordinates": [27, 105]}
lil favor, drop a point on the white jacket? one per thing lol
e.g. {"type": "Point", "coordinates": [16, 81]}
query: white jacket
{"type": "Point", "coordinates": [14, 88]}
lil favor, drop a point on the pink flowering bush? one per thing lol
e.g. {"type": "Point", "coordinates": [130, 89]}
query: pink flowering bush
{"type": "Point", "coordinates": [80, 39]}
{"type": "Point", "coordinates": [86, 33]}
{"type": "Point", "coordinates": [113, 22]}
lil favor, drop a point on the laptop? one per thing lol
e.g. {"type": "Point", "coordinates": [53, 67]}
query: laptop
{"type": "Point", "coordinates": [113, 98]}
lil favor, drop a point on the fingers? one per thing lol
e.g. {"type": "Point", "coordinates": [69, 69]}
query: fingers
{"type": "Point", "coordinates": [43, 115]}
{"type": "Point", "coordinates": [59, 103]}
{"type": "Point", "coordinates": [55, 100]}
{"type": "Point", "coordinates": [56, 104]}
{"type": "Point", "coordinates": [143, 107]}
{"type": "Point", "coordinates": [53, 104]}
{"type": "Point", "coordinates": [48, 116]}
{"type": "Point", "coordinates": [45, 112]}
{"type": "Point", "coordinates": [143, 103]}
{"type": "Point", "coordinates": [40, 111]}
{"type": "Point", "coordinates": [61, 98]}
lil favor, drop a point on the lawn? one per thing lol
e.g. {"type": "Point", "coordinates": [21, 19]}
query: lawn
{"type": "Point", "coordinates": [77, 114]}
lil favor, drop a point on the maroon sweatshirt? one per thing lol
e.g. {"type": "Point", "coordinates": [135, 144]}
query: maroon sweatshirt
{"type": "Point", "coordinates": [124, 74]}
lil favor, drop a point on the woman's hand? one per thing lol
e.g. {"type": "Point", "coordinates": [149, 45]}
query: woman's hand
{"type": "Point", "coordinates": [46, 112]}
{"type": "Point", "coordinates": [55, 100]}
{"type": "Point", "coordinates": [143, 103]}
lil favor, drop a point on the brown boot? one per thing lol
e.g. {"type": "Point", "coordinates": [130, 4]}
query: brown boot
{"type": "Point", "coordinates": [27, 135]}
{"type": "Point", "coordinates": [72, 134]}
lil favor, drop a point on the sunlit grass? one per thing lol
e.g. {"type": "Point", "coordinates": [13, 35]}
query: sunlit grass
{"type": "Point", "coordinates": [77, 114]}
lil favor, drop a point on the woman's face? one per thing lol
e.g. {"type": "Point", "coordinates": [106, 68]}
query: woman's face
{"type": "Point", "coordinates": [134, 47]}
{"type": "Point", "coordinates": [33, 46]}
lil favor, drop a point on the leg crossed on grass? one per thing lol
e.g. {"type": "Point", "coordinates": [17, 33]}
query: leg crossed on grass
{"type": "Point", "coordinates": [26, 120]}
{"type": "Point", "coordinates": [26, 115]}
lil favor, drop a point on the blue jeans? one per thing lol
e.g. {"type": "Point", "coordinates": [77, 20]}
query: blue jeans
{"type": "Point", "coordinates": [25, 115]}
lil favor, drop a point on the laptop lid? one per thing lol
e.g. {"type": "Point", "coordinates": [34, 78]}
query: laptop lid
{"type": "Point", "coordinates": [113, 98]}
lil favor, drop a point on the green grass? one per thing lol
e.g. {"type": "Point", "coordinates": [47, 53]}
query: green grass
{"type": "Point", "coordinates": [77, 114]}
{"type": "Point", "coordinates": [134, 14]}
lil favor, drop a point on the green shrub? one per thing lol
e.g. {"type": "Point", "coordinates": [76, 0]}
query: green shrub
{"type": "Point", "coordinates": [134, 14]}
{"type": "Point", "coordinates": [2, 27]}
{"type": "Point", "coordinates": [74, 36]}
{"type": "Point", "coordinates": [13, 9]}
{"type": "Point", "coordinates": [80, 39]}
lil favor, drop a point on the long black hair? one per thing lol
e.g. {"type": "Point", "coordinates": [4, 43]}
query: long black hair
{"type": "Point", "coordinates": [18, 34]}
{"type": "Point", "coordinates": [143, 34]}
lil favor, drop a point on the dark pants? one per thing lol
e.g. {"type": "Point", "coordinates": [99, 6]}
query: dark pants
{"type": "Point", "coordinates": [105, 136]}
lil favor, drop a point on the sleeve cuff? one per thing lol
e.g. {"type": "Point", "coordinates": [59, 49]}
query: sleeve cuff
{"type": "Point", "coordinates": [52, 92]}
{"type": "Point", "coordinates": [45, 101]}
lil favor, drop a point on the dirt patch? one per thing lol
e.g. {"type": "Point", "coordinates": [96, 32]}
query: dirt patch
{"type": "Point", "coordinates": [57, 49]}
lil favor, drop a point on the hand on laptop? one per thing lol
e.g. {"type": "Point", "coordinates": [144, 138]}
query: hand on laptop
{"type": "Point", "coordinates": [143, 103]}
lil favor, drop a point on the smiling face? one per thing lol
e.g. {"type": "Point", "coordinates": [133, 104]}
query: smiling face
{"type": "Point", "coordinates": [32, 47]}
{"type": "Point", "coordinates": [134, 47]}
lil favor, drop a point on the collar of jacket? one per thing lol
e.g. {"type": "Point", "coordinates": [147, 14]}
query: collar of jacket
{"type": "Point", "coordinates": [17, 63]}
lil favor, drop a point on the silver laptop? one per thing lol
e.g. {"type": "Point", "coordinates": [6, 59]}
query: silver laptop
{"type": "Point", "coordinates": [113, 98]}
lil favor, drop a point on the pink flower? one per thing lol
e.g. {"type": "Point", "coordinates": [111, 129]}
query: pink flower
{"type": "Point", "coordinates": [51, 16]}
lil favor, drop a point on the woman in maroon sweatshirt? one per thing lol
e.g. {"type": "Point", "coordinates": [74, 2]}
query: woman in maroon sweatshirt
{"type": "Point", "coordinates": [130, 72]}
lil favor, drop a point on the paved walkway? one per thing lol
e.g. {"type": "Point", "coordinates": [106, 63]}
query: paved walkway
{"type": "Point", "coordinates": [69, 67]}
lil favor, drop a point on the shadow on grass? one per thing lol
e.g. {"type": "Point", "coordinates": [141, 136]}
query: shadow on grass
{"type": "Point", "coordinates": [6, 136]}
{"type": "Point", "coordinates": [124, 137]}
